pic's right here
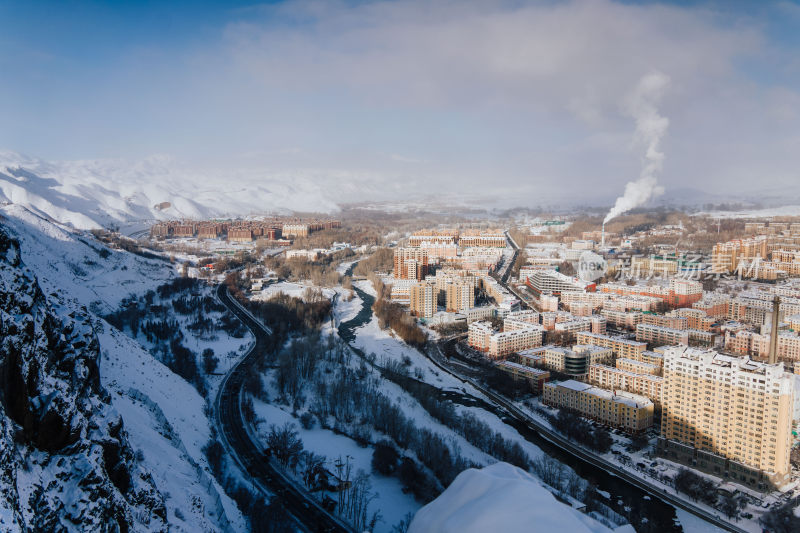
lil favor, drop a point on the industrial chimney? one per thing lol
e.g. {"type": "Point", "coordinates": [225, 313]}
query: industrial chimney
{"type": "Point", "coordinates": [773, 335]}
{"type": "Point", "coordinates": [603, 237]}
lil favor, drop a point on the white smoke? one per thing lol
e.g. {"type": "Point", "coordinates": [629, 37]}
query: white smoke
{"type": "Point", "coordinates": [650, 128]}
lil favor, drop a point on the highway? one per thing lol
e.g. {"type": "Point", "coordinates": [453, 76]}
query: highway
{"type": "Point", "coordinates": [246, 451]}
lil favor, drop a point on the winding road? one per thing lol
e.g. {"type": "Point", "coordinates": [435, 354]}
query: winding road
{"type": "Point", "coordinates": [265, 474]}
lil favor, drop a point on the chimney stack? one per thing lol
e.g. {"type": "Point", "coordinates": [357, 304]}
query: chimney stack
{"type": "Point", "coordinates": [603, 237]}
{"type": "Point", "coordinates": [773, 335]}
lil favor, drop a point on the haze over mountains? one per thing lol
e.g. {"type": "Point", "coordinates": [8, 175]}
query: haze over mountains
{"type": "Point", "coordinates": [89, 194]}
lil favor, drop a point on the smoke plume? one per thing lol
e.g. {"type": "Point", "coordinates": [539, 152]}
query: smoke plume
{"type": "Point", "coordinates": [650, 128]}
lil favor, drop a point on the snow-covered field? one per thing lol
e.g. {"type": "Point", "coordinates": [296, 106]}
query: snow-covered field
{"type": "Point", "coordinates": [296, 290]}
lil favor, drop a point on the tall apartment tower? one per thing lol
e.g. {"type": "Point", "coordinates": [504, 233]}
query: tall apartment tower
{"type": "Point", "coordinates": [459, 296]}
{"type": "Point", "coordinates": [728, 416]}
{"type": "Point", "coordinates": [410, 263]}
{"type": "Point", "coordinates": [773, 337]}
{"type": "Point", "coordinates": [422, 300]}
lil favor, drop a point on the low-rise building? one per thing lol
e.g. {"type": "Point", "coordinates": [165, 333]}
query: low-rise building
{"type": "Point", "coordinates": [658, 335]}
{"type": "Point", "coordinates": [609, 377]}
{"type": "Point", "coordinates": [535, 377]}
{"type": "Point", "coordinates": [630, 412]}
{"type": "Point", "coordinates": [619, 346]}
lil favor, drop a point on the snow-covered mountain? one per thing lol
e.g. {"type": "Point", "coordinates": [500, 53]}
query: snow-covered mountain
{"type": "Point", "coordinates": [95, 433]}
{"type": "Point", "coordinates": [102, 193]}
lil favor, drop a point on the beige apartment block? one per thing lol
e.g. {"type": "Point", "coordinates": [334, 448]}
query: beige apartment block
{"type": "Point", "coordinates": [620, 409]}
{"type": "Point", "coordinates": [620, 347]}
{"type": "Point", "coordinates": [727, 415]}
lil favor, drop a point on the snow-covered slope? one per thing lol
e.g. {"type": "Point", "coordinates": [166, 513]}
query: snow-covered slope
{"type": "Point", "coordinates": [500, 497]}
{"type": "Point", "coordinates": [102, 193]}
{"type": "Point", "coordinates": [104, 387]}
{"type": "Point", "coordinates": [66, 461]}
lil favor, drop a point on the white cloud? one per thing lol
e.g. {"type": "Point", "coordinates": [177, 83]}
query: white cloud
{"type": "Point", "coordinates": [526, 96]}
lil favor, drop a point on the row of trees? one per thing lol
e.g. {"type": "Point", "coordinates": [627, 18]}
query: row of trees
{"type": "Point", "coordinates": [576, 428]}
{"type": "Point", "coordinates": [380, 261]}
{"type": "Point", "coordinates": [393, 315]}
{"type": "Point", "coordinates": [700, 488]}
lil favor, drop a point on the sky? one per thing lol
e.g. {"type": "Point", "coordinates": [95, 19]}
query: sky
{"type": "Point", "coordinates": [515, 102]}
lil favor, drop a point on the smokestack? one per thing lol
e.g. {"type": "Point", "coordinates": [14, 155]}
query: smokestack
{"type": "Point", "coordinates": [773, 336]}
{"type": "Point", "coordinates": [603, 237]}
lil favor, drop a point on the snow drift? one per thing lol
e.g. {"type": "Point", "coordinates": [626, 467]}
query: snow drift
{"type": "Point", "coordinates": [500, 497]}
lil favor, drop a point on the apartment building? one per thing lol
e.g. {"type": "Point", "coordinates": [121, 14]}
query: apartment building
{"type": "Point", "coordinates": [599, 324]}
{"type": "Point", "coordinates": [715, 305]}
{"type": "Point", "coordinates": [619, 346]}
{"type": "Point", "coordinates": [608, 377]}
{"type": "Point", "coordinates": [595, 299]}
{"type": "Point", "coordinates": [658, 335]}
{"type": "Point", "coordinates": [295, 230]}
{"type": "Point", "coordinates": [410, 263]}
{"type": "Point", "coordinates": [595, 354]}
{"type": "Point", "coordinates": [440, 251]}
{"type": "Point", "coordinates": [788, 346]}
{"type": "Point", "coordinates": [535, 377]}
{"type": "Point", "coordinates": [478, 313]}
{"type": "Point", "coordinates": [481, 336]}
{"type": "Point", "coordinates": [570, 327]}
{"type": "Point", "coordinates": [478, 335]}
{"type": "Point", "coordinates": [638, 367]}
{"type": "Point", "coordinates": [668, 321]}
{"type": "Point", "coordinates": [726, 415]}
{"type": "Point", "coordinates": [566, 361]}
{"type": "Point", "coordinates": [578, 308]}
{"type": "Point", "coordinates": [449, 236]}
{"type": "Point", "coordinates": [695, 318]}
{"type": "Point", "coordinates": [653, 358]}
{"type": "Point", "coordinates": [422, 300]}
{"type": "Point", "coordinates": [240, 234]}
{"type": "Point", "coordinates": [533, 356]}
{"type": "Point", "coordinates": [508, 342]}
{"type": "Point", "coordinates": [459, 296]}
{"type": "Point", "coordinates": [630, 412]}
{"type": "Point", "coordinates": [481, 239]}
{"type": "Point", "coordinates": [726, 256]}
{"type": "Point", "coordinates": [622, 319]}
{"type": "Point", "coordinates": [550, 281]}
{"type": "Point", "coordinates": [653, 266]}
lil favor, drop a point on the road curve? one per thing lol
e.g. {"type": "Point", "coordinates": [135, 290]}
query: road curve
{"type": "Point", "coordinates": [232, 428]}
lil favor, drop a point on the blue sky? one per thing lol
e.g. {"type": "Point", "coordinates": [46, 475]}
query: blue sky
{"type": "Point", "coordinates": [435, 96]}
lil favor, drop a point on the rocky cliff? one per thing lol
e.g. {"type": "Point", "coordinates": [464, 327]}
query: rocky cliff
{"type": "Point", "coordinates": [65, 461]}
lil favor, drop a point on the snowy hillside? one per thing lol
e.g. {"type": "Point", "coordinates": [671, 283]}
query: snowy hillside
{"type": "Point", "coordinates": [93, 194]}
{"type": "Point", "coordinates": [500, 497]}
{"type": "Point", "coordinates": [132, 417]}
